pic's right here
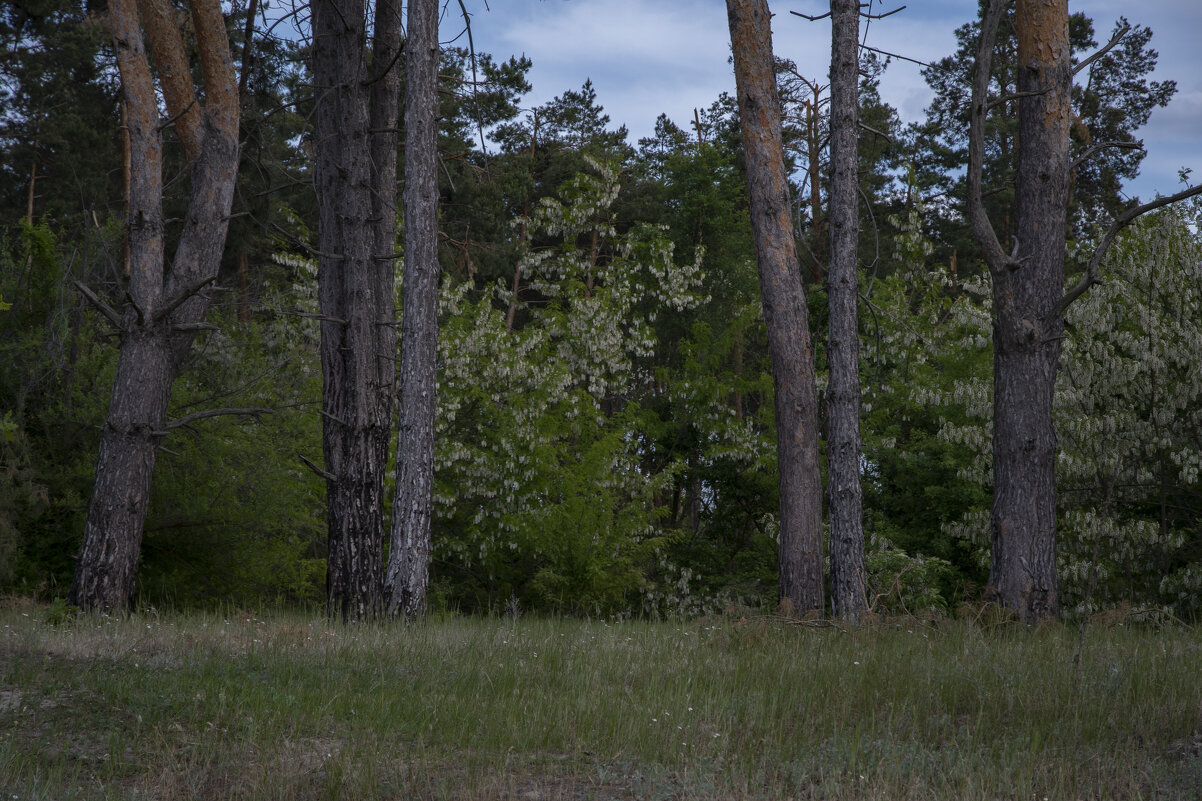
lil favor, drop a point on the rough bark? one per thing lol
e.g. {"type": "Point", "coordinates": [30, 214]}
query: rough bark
{"type": "Point", "coordinates": [1028, 321]}
{"type": "Point", "coordinates": [409, 555]}
{"type": "Point", "coordinates": [843, 346]}
{"type": "Point", "coordinates": [783, 298]}
{"type": "Point", "coordinates": [356, 187]}
{"type": "Point", "coordinates": [165, 304]}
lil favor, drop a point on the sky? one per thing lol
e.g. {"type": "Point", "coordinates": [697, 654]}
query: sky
{"type": "Point", "coordinates": [647, 57]}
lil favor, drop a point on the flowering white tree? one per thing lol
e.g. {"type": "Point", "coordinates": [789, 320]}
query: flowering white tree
{"type": "Point", "coordinates": [541, 488]}
{"type": "Point", "coordinates": [1130, 421]}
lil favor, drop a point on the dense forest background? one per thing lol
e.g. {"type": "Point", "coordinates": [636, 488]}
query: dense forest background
{"type": "Point", "coordinates": [605, 437]}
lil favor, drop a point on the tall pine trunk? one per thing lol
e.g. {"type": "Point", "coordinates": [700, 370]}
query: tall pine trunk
{"type": "Point", "coordinates": [356, 188]}
{"type": "Point", "coordinates": [409, 555]}
{"type": "Point", "coordinates": [1028, 322]}
{"type": "Point", "coordinates": [166, 305]}
{"type": "Point", "coordinates": [1028, 285]}
{"type": "Point", "coordinates": [843, 347]}
{"type": "Point", "coordinates": [785, 313]}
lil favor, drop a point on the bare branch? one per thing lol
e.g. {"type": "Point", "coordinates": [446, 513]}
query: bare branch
{"type": "Point", "coordinates": [171, 121]}
{"type": "Point", "coordinates": [322, 473]}
{"type": "Point", "coordinates": [335, 418]}
{"type": "Point", "coordinates": [807, 16]}
{"type": "Point", "coordinates": [1122, 221]}
{"type": "Point", "coordinates": [185, 328]}
{"type": "Point", "coordinates": [872, 130]}
{"type": "Point", "coordinates": [1119, 35]}
{"type": "Point", "coordinates": [992, 104]}
{"type": "Point", "coordinates": [300, 243]}
{"type": "Point", "coordinates": [182, 297]}
{"type": "Point", "coordinates": [108, 311]}
{"type": "Point", "coordinates": [392, 63]}
{"type": "Point", "coordinates": [1102, 146]}
{"type": "Point", "coordinates": [905, 58]}
{"type": "Point", "coordinates": [467, 22]}
{"type": "Point", "coordinates": [882, 16]}
{"type": "Point", "coordinates": [191, 418]}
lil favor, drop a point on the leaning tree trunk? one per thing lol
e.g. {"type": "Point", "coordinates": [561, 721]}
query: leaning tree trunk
{"type": "Point", "coordinates": [166, 307]}
{"type": "Point", "coordinates": [356, 110]}
{"type": "Point", "coordinates": [409, 556]}
{"type": "Point", "coordinates": [785, 313]}
{"type": "Point", "coordinates": [843, 346]}
{"type": "Point", "coordinates": [1028, 285]}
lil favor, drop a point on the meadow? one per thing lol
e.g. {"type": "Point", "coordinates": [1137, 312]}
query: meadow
{"type": "Point", "coordinates": [279, 705]}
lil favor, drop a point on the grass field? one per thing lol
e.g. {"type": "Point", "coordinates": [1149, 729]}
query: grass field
{"type": "Point", "coordinates": [279, 706]}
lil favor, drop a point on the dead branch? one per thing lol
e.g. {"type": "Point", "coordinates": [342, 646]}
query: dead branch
{"type": "Point", "coordinates": [182, 297]}
{"type": "Point", "coordinates": [1106, 49]}
{"type": "Point", "coordinates": [1102, 146]}
{"type": "Point", "coordinates": [872, 130]}
{"type": "Point", "coordinates": [171, 120]}
{"type": "Point", "coordinates": [108, 311]}
{"type": "Point", "coordinates": [328, 476]}
{"type": "Point", "coordinates": [191, 418]}
{"type": "Point", "coordinates": [905, 58]}
{"type": "Point", "coordinates": [1122, 221]}
{"type": "Point", "coordinates": [992, 104]}
{"type": "Point", "coordinates": [862, 14]}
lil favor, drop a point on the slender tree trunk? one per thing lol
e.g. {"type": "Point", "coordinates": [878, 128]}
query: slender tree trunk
{"type": "Point", "coordinates": [785, 311]}
{"type": "Point", "coordinates": [165, 306]}
{"type": "Point", "coordinates": [356, 187]}
{"type": "Point", "coordinates": [843, 347]}
{"type": "Point", "coordinates": [409, 556]}
{"type": "Point", "coordinates": [1028, 286]}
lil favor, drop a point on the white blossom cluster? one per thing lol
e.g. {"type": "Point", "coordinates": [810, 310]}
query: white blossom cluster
{"type": "Point", "coordinates": [1130, 420]}
{"type": "Point", "coordinates": [599, 293]}
{"type": "Point", "coordinates": [537, 453]}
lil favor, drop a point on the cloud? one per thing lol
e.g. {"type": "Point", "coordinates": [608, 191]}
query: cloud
{"type": "Point", "coordinates": [670, 56]}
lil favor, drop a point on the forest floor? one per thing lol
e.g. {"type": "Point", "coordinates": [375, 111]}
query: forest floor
{"type": "Point", "coordinates": [282, 706]}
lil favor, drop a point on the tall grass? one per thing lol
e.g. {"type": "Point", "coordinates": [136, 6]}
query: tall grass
{"type": "Point", "coordinates": [243, 706]}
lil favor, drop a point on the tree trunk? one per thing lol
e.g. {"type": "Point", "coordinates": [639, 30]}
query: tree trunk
{"type": "Point", "coordinates": [409, 556]}
{"type": "Point", "coordinates": [784, 305]}
{"type": "Point", "coordinates": [843, 347]}
{"type": "Point", "coordinates": [166, 305]}
{"type": "Point", "coordinates": [106, 572]}
{"type": "Point", "coordinates": [356, 190]}
{"type": "Point", "coordinates": [1028, 285]}
{"type": "Point", "coordinates": [1028, 325]}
